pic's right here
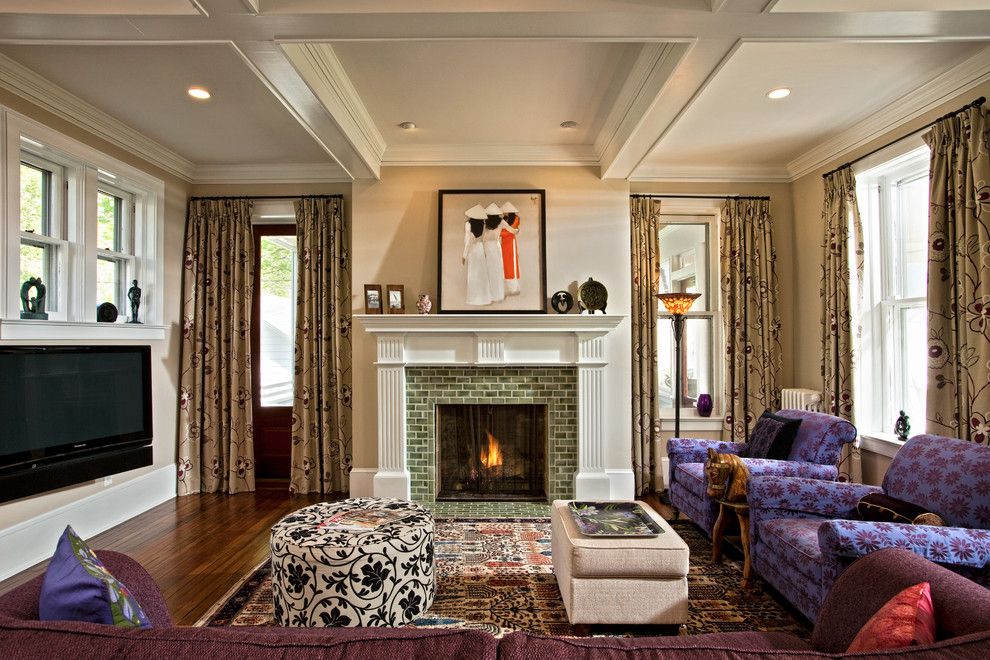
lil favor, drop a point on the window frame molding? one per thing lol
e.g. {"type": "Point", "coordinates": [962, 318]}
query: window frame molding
{"type": "Point", "coordinates": [86, 170]}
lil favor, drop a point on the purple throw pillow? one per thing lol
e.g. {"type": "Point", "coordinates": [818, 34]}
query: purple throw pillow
{"type": "Point", "coordinates": [772, 437]}
{"type": "Point", "coordinates": [78, 587]}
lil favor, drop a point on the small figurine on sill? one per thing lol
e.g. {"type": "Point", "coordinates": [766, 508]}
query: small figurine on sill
{"type": "Point", "coordinates": [903, 427]}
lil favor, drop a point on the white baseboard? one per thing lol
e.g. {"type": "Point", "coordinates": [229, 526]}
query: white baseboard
{"type": "Point", "coordinates": [35, 539]}
{"type": "Point", "coordinates": [363, 482]}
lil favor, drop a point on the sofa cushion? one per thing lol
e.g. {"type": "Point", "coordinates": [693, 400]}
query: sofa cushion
{"type": "Point", "coordinates": [772, 437]}
{"type": "Point", "coordinates": [907, 619]}
{"type": "Point", "coordinates": [795, 541]}
{"type": "Point", "coordinates": [78, 587]}
{"type": "Point", "coordinates": [877, 507]}
{"type": "Point", "coordinates": [692, 477]}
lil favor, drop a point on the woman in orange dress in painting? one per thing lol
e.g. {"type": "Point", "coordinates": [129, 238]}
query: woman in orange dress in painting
{"type": "Point", "coordinates": [510, 252]}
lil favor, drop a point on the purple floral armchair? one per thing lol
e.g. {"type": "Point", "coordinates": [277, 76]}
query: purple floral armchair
{"type": "Point", "coordinates": [814, 455]}
{"type": "Point", "coordinates": [804, 533]}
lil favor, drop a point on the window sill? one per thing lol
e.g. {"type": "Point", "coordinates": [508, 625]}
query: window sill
{"type": "Point", "coordinates": [884, 444]}
{"type": "Point", "coordinates": [692, 423]}
{"type": "Point", "coordinates": [31, 329]}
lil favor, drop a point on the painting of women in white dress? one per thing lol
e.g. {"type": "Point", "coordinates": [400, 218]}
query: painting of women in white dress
{"type": "Point", "coordinates": [492, 251]}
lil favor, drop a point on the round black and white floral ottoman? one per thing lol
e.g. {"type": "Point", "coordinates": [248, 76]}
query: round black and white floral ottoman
{"type": "Point", "coordinates": [360, 562]}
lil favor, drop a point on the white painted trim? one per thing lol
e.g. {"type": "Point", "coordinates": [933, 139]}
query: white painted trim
{"type": "Point", "coordinates": [490, 154]}
{"type": "Point", "coordinates": [622, 484]}
{"type": "Point", "coordinates": [363, 482]}
{"type": "Point", "coordinates": [715, 173]}
{"type": "Point", "coordinates": [966, 75]}
{"type": "Point", "coordinates": [693, 424]}
{"type": "Point", "coordinates": [50, 97]}
{"type": "Point", "coordinates": [883, 444]}
{"type": "Point", "coordinates": [280, 173]}
{"type": "Point", "coordinates": [82, 330]}
{"type": "Point", "coordinates": [471, 323]}
{"type": "Point", "coordinates": [35, 539]}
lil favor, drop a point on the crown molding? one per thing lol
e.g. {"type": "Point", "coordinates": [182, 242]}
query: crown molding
{"type": "Point", "coordinates": [50, 97]}
{"type": "Point", "coordinates": [318, 64]}
{"type": "Point", "coordinates": [712, 174]}
{"type": "Point", "coordinates": [969, 73]}
{"type": "Point", "coordinates": [279, 173]}
{"type": "Point", "coordinates": [490, 154]}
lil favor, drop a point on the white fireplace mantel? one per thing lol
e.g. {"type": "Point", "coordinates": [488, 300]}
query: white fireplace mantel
{"type": "Point", "coordinates": [491, 340]}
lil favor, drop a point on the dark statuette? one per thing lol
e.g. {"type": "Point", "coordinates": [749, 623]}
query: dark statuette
{"type": "Point", "coordinates": [106, 313]}
{"type": "Point", "coordinates": [134, 295]}
{"type": "Point", "coordinates": [562, 302]}
{"type": "Point", "coordinates": [903, 427]}
{"type": "Point", "coordinates": [33, 307]}
{"type": "Point", "coordinates": [592, 297]}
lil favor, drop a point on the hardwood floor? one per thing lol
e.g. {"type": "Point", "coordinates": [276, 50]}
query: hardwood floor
{"type": "Point", "coordinates": [197, 547]}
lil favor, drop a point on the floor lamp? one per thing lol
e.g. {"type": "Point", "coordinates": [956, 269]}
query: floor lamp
{"type": "Point", "coordinates": [677, 304]}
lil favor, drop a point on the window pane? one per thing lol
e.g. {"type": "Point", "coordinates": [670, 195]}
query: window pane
{"type": "Point", "coordinates": [278, 317]}
{"type": "Point", "coordinates": [34, 205]}
{"type": "Point", "coordinates": [696, 360]}
{"type": "Point", "coordinates": [35, 262]}
{"type": "Point", "coordinates": [914, 364]}
{"type": "Point", "coordinates": [108, 284]}
{"type": "Point", "coordinates": [684, 262]}
{"type": "Point", "coordinates": [108, 209]}
{"type": "Point", "coordinates": [913, 237]}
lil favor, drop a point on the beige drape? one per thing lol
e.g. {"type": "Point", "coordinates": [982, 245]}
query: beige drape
{"type": "Point", "coordinates": [840, 290]}
{"type": "Point", "coordinates": [216, 450]}
{"type": "Point", "coordinates": [321, 409]}
{"type": "Point", "coordinates": [645, 378]}
{"type": "Point", "coordinates": [958, 401]}
{"type": "Point", "coordinates": [750, 323]}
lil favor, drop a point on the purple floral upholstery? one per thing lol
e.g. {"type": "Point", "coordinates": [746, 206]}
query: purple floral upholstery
{"type": "Point", "coordinates": [804, 532]}
{"type": "Point", "coordinates": [814, 455]}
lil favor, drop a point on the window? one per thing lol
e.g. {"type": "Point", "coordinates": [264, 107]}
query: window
{"type": "Point", "coordinates": [892, 376]}
{"type": "Point", "coordinates": [42, 248]}
{"type": "Point", "coordinates": [114, 245]}
{"type": "Point", "coordinates": [688, 263]}
{"type": "Point", "coordinates": [277, 315]}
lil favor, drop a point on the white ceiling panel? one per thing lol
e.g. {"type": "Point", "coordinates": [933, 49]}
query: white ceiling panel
{"type": "Point", "coordinates": [145, 87]}
{"type": "Point", "coordinates": [487, 92]}
{"type": "Point", "coordinates": [878, 5]}
{"type": "Point", "coordinates": [432, 6]}
{"type": "Point", "coordinates": [98, 7]}
{"type": "Point", "coordinates": [732, 123]}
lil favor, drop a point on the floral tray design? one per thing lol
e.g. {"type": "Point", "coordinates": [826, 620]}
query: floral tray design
{"type": "Point", "coordinates": [613, 519]}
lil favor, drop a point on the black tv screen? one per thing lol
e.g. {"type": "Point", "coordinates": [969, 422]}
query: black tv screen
{"type": "Point", "coordinates": [63, 400]}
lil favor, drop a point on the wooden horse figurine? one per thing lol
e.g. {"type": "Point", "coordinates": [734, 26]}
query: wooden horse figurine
{"type": "Point", "coordinates": [726, 476]}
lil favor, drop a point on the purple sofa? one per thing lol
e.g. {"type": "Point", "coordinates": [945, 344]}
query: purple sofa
{"type": "Point", "coordinates": [962, 610]}
{"type": "Point", "coordinates": [804, 533]}
{"type": "Point", "coordinates": [814, 455]}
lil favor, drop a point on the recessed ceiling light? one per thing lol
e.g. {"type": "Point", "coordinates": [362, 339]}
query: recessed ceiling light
{"type": "Point", "coordinates": [200, 93]}
{"type": "Point", "coordinates": [568, 124]}
{"type": "Point", "coordinates": [407, 125]}
{"type": "Point", "coordinates": [779, 93]}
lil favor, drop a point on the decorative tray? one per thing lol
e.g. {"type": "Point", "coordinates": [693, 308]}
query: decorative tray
{"type": "Point", "coordinates": [613, 519]}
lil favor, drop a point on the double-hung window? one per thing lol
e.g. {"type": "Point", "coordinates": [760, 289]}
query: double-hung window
{"type": "Point", "coordinates": [114, 244]}
{"type": "Point", "coordinates": [892, 374]}
{"type": "Point", "coordinates": [42, 225]}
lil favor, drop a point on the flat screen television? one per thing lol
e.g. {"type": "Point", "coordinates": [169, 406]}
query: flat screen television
{"type": "Point", "coordinates": [59, 403]}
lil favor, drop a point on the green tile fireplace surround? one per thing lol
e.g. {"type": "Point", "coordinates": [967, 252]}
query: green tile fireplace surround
{"type": "Point", "coordinates": [553, 386]}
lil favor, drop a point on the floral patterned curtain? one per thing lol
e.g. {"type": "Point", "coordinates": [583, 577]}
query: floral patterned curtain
{"type": "Point", "coordinates": [216, 450]}
{"type": "Point", "coordinates": [842, 273]}
{"type": "Point", "coordinates": [645, 378]}
{"type": "Point", "coordinates": [958, 401]}
{"type": "Point", "coordinates": [321, 409]}
{"type": "Point", "coordinates": [749, 313]}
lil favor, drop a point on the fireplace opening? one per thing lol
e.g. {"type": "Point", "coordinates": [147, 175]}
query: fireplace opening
{"type": "Point", "coordinates": [491, 452]}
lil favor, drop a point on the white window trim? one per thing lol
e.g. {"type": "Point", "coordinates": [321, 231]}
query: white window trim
{"type": "Point", "coordinates": [712, 207]}
{"type": "Point", "coordinates": [91, 168]}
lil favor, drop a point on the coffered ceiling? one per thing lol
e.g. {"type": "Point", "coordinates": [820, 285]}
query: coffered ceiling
{"type": "Point", "coordinates": [668, 89]}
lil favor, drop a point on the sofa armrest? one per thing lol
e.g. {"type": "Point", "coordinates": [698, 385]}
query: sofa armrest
{"type": "Point", "coordinates": [765, 467]}
{"type": "Point", "coordinates": [688, 450]}
{"type": "Point", "coordinates": [141, 585]}
{"type": "Point", "coordinates": [947, 545]}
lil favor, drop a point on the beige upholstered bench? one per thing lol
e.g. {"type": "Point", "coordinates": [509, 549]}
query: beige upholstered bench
{"type": "Point", "coordinates": [619, 580]}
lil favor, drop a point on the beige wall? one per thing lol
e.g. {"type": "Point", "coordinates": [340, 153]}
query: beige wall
{"type": "Point", "coordinates": [164, 354]}
{"type": "Point", "coordinates": [395, 242]}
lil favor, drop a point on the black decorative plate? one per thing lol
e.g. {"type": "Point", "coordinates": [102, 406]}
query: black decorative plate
{"type": "Point", "coordinates": [613, 519]}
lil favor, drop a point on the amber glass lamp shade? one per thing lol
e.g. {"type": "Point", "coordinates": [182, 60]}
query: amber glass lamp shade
{"type": "Point", "coordinates": [678, 303]}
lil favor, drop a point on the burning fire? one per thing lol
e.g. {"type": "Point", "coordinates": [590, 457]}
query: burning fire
{"type": "Point", "coordinates": [492, 456]}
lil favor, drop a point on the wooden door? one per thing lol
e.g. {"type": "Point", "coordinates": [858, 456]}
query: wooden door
{"type": "Point", "coordinates": [272, 341]}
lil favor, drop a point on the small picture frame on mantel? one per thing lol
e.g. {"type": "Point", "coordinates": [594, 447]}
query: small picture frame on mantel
{"type": "Point", "coordinates": [372, 298]}
{"type": "Point", "coordinates": [396, 298]}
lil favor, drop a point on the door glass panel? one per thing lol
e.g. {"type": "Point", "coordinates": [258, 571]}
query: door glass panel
{"type": "Point", "coordinates": [278, 319]}
{"type": "Point", "coordinates": [696, 361]}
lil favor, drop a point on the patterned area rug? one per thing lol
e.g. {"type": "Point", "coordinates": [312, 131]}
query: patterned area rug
{"type": "Point", "coordinates": [497, 575]}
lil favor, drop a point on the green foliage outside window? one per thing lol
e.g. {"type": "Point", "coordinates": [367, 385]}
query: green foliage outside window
{"type": "Point", "coordinates": [277, 261]}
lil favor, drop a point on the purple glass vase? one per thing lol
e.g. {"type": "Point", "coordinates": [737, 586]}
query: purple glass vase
{"type": "Point", "coordinates": [705, 405]}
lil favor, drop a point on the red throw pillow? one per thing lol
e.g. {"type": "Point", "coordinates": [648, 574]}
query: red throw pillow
{"type": "Point", "coordinates": [907, 619]}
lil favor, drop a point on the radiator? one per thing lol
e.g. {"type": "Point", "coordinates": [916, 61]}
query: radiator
{"type": "Point", "coordinates": [800, 399]}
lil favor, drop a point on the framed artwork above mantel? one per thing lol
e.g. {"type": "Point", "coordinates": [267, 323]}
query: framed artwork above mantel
{"type": "Point", "coordinates": [491, 253]}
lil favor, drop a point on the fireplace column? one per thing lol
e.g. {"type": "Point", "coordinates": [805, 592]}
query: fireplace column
{"type": "Point", "coordinates": [591, 482]}
{"type": "Point", "coordinates": [392, 478]}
